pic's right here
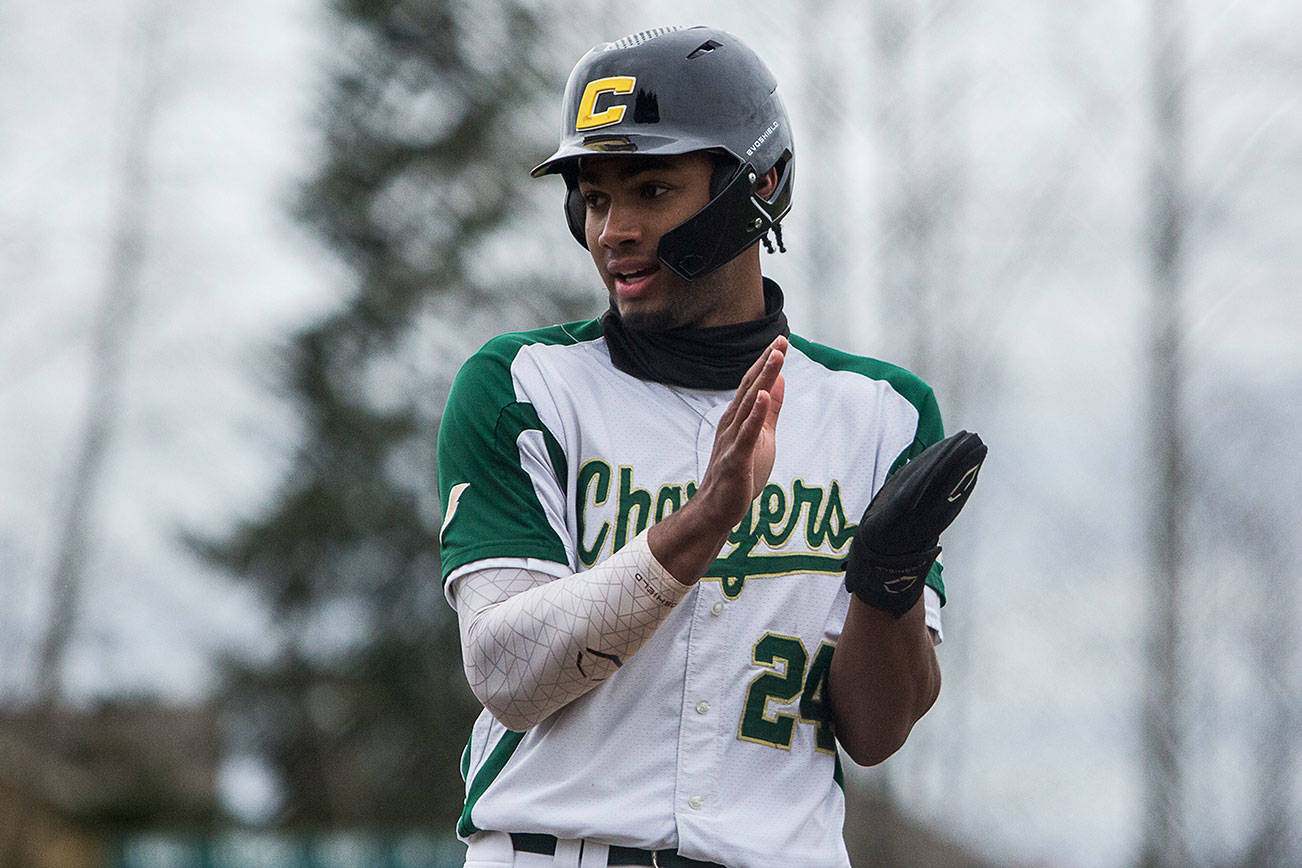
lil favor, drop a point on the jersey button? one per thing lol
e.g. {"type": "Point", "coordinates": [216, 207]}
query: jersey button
{"type": "Point", "coordinates": [717, 608]}
{"type": "Point", "coordinates": [695, 803]}
{"type": "Point", "coordinates": [702, 707]}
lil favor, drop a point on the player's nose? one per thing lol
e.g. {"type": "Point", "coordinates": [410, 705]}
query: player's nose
{"type": "Point", "coordinates": [622, 226]}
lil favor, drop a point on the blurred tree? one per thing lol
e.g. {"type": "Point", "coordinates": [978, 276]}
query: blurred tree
{"type": "Point", "coordinates": [429, 125]}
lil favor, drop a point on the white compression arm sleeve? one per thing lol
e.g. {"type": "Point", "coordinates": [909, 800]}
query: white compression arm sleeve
{"type": "Point", "coordinates": [533, 643]}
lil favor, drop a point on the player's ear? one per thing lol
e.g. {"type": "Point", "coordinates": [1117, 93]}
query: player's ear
{"type": "Point", "coordinates": [768, 183]}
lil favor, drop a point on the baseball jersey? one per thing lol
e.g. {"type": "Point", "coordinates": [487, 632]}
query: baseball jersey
{"type": "Point", "coordinates": [712, 737]}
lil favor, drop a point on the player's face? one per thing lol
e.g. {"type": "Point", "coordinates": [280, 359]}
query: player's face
{"type": "Point", "coordinates": [631, 202]}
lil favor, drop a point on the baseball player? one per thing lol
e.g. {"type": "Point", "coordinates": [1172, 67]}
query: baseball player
{"type": "Point", "coordinates": [691, 553]}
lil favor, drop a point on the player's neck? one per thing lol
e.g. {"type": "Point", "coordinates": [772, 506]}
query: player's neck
{"type": "Point", "coordinates": [745, 291]}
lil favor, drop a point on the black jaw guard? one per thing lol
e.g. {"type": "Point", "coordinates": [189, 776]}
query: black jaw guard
{"type": "Point", "coordinates": [734, 220]}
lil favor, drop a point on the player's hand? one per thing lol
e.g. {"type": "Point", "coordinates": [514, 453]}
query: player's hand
{"type": "Point", "coordinates": [688, 540]}
{"type": "Point", "coordinates": [745, 442]}
{"type": "Point", "coordinates": [899, 535]}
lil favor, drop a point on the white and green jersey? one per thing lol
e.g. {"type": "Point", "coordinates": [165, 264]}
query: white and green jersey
{"type": "Point", "coordinates": [711, 738]}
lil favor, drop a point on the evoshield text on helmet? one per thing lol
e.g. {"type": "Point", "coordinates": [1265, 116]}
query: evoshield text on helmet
{"type": "Point", "coordinates": [673, 91]}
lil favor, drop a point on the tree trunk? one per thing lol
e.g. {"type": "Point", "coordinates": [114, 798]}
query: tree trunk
{"type": "Point", "coordinates": [112, 337]}
{"type": "Point", "coordinates": [1164, 843]}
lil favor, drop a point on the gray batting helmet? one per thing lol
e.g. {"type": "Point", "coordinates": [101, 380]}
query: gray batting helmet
{"type": "Point", "coordinates": [675, 90]}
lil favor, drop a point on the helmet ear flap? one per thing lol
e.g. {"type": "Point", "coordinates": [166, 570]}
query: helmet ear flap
{"type": "Point", "coordinates": [576, 212]}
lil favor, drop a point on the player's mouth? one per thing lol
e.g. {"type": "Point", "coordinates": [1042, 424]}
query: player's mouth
{"type": "Point", "coordinates": [632, 282]}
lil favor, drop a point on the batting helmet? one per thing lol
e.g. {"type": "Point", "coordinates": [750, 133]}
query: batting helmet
{"type": "Point", "coordinates": [674, 90]}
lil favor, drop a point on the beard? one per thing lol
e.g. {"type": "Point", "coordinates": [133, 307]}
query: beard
{"type": "Point", "coordinates": [648, 321]}
{"type": "Point", "coordinates": [686, 303]}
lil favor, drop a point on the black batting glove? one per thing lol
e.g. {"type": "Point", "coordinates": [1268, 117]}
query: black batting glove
{"type": "Point", "coordinates": [899, 535]}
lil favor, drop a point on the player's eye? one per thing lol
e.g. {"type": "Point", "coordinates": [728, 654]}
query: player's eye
{"type": "Point", "coordinates": [592, 200]}
{"type": "Point", "coordinates": [654, 189]}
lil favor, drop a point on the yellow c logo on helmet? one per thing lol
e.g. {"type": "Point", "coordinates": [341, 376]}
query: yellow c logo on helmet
{"type": "Point", "coordinates": [588, 117]}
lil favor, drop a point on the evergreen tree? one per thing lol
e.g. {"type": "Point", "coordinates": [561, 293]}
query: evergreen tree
{"type": "Point", "coordinates": [430, 123]}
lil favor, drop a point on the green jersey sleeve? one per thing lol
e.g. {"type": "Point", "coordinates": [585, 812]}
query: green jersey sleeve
{"type": "Point", "coordinates": [497, 463]}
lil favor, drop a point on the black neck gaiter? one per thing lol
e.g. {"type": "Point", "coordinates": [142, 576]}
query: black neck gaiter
{"type": "Point", "coordinates": [715, 357]}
